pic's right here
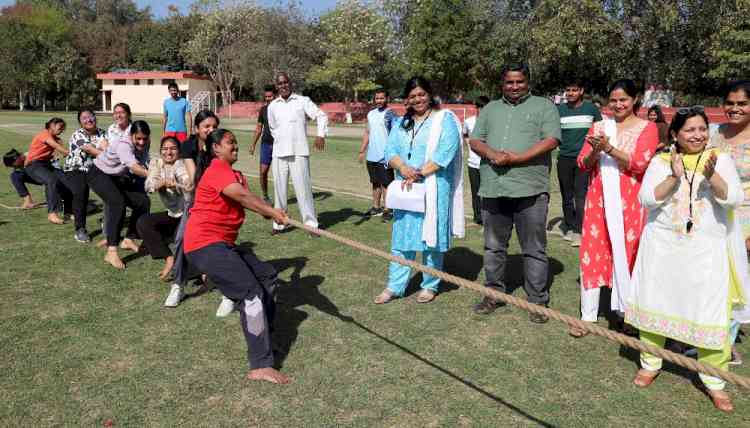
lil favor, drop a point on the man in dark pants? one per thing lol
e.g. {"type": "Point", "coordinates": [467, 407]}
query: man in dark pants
{"type": "Point", "coordinates": [576, 117]}
{"type": "Point", "coordinates": [514, 137]}
{"type": "Point", "coordinates": [474, 161]}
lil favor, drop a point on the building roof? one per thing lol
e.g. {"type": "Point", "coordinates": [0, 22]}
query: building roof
{"type": "Point", "coordinates": [152, 75]}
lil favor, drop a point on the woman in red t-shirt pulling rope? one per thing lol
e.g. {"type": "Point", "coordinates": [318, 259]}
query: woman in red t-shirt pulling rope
{"type": "Point", "coordinates": [221, 197]}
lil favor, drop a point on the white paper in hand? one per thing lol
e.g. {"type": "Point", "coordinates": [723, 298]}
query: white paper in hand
{"type": "Point", "coordinates": [403, 199]}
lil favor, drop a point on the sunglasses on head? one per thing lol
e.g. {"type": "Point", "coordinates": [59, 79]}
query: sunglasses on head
{"type": "Point", "coordinates": [688, 110]}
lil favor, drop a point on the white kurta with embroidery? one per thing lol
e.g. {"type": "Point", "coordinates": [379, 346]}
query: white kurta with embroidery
{"type": "Point", "coordinates": [681, 281]}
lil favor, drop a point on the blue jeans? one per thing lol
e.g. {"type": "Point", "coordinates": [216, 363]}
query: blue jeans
{"type": "Point", "coordinates": [398, 274]}
{"type": "Point", "coordinates": [19, 178]}
{"type": "Point", "coordinates": [529, 216]}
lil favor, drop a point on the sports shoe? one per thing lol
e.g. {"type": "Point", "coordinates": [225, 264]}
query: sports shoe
{"type": "Point", "coordinates": [225, 307]}
{"type": "Point", "coordinates": [387, 216]}
{"type": "Point", "coordinates": [560, 229]}
{"type": "Point", "coordinates": [487, 306]}
{"type": "Point", "coordinates": [268, 200]}
{"type": "Point", "coordinates": [575, 239]}
{"type": "Point", "coordinates": [82, 236]}
{"type": "Point", "coordinates": [374, 212]}
{"type": "Point", "coordinates": [175, 296]}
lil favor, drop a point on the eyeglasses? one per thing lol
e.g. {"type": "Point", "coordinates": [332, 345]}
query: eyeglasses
{"type": "Point", "coordinates": [688, 110]}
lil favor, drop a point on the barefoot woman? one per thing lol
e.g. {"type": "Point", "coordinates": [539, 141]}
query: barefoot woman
{"type": "Point", "coordinates": [221, 197]}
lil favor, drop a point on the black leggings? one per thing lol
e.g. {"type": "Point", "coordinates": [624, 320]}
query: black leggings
{"type": "Point", "coordinates": [76, 183]}
{"type": "Point", "coordinates": [242, 277]}
{"type": "Point", "coordinates": [118, 192]}
{"type": "Point", "coordinates": [157, 229]}
{"type": "Point", "coordinates": [43, 172]}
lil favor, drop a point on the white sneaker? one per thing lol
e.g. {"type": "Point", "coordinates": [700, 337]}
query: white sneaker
{"type": "Point", "coordinates": [225, 307]}
{"type": "Point", "coordinates": [174, 297]}
{"type": "Point", "coordinates": [575, 239]}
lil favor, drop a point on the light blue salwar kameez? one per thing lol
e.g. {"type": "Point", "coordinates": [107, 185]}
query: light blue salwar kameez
{"type": "Point", "coordinates": [406, 238]}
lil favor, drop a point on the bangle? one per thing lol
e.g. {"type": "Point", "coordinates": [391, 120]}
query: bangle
{"type": "Point", "coordinates": [610, 150]}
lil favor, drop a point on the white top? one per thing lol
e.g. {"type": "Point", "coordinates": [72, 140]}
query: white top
{"type": "Point", "coordinates": [680, 281]}
{"type": "Point", "coordinates": [474, 158]}
{"type": "Point", "coordinates": [288, 125]}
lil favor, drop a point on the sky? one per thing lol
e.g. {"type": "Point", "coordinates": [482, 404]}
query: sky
{"type": "Point", "coordinates": [159, 8]}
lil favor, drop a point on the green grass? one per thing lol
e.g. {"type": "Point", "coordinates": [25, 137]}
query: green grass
{"type": "Point", "coordinates": [82, 344]}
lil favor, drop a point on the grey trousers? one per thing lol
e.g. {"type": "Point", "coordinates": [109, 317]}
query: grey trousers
{"type": "Point", "coordinates": [529, 215]}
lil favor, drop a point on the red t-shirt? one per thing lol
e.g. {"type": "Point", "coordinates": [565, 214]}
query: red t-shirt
{"type": "Point", "coordinates": [214, 216]}
{"type": "Point", "coordinates": [39, 150]}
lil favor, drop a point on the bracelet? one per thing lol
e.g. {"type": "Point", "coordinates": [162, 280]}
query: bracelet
{"type": "Point", "coordinates": [610, 150]}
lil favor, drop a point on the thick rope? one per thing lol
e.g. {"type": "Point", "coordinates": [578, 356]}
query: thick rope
{"type": "Point", "coordinates": [592, 328]}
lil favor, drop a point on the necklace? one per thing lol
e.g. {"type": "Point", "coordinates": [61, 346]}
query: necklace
{"type": "Point", "coordinates": [690, 181]}
{"type": "Point", "coordinates": [414, 133]}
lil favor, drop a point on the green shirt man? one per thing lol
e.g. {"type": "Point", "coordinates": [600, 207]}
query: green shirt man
{"type": "Point", "coordinates": [516, 127]}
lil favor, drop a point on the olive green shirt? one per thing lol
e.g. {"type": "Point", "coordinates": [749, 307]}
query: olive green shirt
{"type": "Point", "coordinates": [516, 128]}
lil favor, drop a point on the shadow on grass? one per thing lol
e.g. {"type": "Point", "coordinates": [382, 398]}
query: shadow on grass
{"type": "Point", "coordinates": [330, 218]}
{"type": "Point", "coordinates": [317, 196]}
{"type": "Point", "coordinates": [303, 290]}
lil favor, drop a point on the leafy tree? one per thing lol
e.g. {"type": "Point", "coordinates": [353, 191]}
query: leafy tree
{"type": "Point", "coordinates": [354, 37]}
{"type": "Point", "coordinates": [730, 45]}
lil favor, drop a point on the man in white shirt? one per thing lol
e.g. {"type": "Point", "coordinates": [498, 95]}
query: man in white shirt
{"type": "Point", "coordinates": [474, 160]}
{"type": "Point", "coordinates": [291, 153]}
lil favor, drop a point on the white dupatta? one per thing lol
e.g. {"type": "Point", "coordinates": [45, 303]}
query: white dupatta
{"type": "Point", "coordinates": [613, 210]}
{"type": "Point", "coordinates": [429, 225]}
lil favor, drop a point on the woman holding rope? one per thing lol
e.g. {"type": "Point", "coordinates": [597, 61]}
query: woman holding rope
{"type": "Point", "coordinates": [617, 152]}
{"type": "Point", "coordinates": [221, 197]}
{"type": "Point", "coordinates": [691, 270]}
{"type": "Point", "coordinates": [424, 147]}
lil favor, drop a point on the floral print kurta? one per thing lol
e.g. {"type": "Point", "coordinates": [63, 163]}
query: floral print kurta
{"type": "Point", "coordinates": [640, 143]}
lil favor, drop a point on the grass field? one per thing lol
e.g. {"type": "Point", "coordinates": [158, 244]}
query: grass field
{"type": "Point", "coordinates": [84, 345]}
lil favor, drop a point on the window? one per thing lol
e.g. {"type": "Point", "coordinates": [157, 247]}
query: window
{"type": "Point", "coordinates": [150, 82]}
{"type": "Point", "coordinates": [167, 81]}
{"type": "Point", "coordinates": [136, 82]}
{"type": "Point", "coordinates": [120, 81]}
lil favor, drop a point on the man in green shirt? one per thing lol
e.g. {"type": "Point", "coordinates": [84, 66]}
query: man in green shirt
{"type": "Point", "coordinates": [576, 117]}
{"type": "Point", "coordinates": [514, 137]}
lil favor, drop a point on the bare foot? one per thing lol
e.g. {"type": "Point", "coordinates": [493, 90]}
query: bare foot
{"type": "Point", "coordinates": [268, 374]}
{"type": "Point", "coordinates": [102, 243]}
{"type": "Point", "coordinates": [129, 244]}
{"type": "Point", "coordinates": [721, 400]}
{"type": "Point", "coordinates": [114, 259]}
{"type": "Point", "coordinates": [168, 263]}
{"type": "Point", "coordinates": [54, 218]}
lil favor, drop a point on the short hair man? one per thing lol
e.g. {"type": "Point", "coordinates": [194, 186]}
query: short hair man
{"type": "Point", "coordinates": [176, 121]}
{"type": "Point", "coordinates": [379, 121]}
{"type": "Point", "coordinates": [576, 117]}
{"type": "Point", "coordinates": [474, 160]}
{"type": "Point", "coordinates": [263, 132]}
{"type": "Point", "coordinates": [287, 116]}
{"type": "Point", "coordinates": [514, 137]}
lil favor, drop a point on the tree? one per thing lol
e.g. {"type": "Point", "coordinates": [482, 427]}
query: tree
{"type": "Point", "coordinates": [218, 42]}
{"type": "Point", "coordinates": [730, 46]}
{"type": "Point", "coordinates": [564, 45]}
{"type": "Point", "coordinates": [353, 37]}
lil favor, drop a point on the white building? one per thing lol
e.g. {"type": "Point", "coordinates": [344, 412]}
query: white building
{"type": "Point", "coordinates": [145, 91]}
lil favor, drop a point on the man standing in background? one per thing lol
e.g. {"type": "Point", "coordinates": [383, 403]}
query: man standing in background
{"type": "Point", "coordinates": [176, 121]}
{"type": "Point", "coordinates": [379, 122]}
{"type": "Point", "coordinates": [287, 116]}
{"type": "Point", "coordinates": [263, 132]}
{"type": "Point", "coordinates": [576, 117]}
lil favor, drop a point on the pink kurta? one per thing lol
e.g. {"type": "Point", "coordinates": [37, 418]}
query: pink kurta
{"type": "Point", "coordinates": [640, 143]}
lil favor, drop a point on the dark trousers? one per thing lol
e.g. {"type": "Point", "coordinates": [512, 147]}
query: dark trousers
{"type": "Point", "coordinates": [183, 271]}
{"type": "Point", "coordinates": [75, 182]}
{"type": "Point", "coordinates": [19, 178]}
{"type": "Point", "coordinates": [529, 215]}
{"type": "Point", "coordinates": [43, 172]}
{"type": "Point", "coordinates": [476, 201]}
{"type": "Point", "coordinates": [574, 183]}
{"type": "Point", "coordinates": [118, 192]}
{"type": "Point", "coordinates": [156, 230]}
{"type": "Point", "coordinates": [242, 277]}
